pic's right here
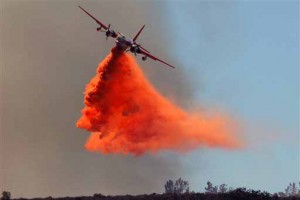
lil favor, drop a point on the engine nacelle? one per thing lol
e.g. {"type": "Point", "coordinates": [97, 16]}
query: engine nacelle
{"type": "Point", "coordinates": [144, 58]}
{"type": "Point", "coordinates": [99, 28]}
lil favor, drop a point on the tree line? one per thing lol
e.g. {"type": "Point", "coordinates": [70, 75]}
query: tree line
{"type": "Point", "coordinates": [181, 186]}
{"type": "Point", "coordinates": [180, 189]}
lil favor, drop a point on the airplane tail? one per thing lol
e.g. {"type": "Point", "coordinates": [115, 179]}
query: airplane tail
{"type": "Point", "coordinates": [137, 35]}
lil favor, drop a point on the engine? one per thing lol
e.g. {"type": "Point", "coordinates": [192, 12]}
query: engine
{"type": "Point", "coordinates": [110, 33]}
{"type": "Point", "coordinates": [144, 58]}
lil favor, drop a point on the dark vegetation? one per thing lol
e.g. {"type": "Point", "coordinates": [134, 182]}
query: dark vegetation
{"type": "Point", "coordinates": [179, 189]}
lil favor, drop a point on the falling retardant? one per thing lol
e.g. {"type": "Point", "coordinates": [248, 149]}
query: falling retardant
{"type": "Point", "coordinates": [127, 115]}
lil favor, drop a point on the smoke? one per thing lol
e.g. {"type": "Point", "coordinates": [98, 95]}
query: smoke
{"type": "Point", "coordinates": [126, 115]}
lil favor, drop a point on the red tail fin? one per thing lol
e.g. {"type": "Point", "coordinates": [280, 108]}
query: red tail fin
{"type": "Point", "coordinates": [137, 35]}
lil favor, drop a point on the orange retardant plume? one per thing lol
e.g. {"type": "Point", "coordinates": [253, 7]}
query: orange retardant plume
{"type": "Point", "coordinates": [126, 115]}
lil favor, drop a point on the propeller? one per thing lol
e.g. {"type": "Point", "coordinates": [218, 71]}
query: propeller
{"type": "Point", "coordinates": [108, 29]}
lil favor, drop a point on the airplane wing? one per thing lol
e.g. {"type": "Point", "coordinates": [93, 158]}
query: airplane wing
{"type": "Point", "coordinates": [154, 58]}
{"type": "Point", "coordinates": [98, 22]}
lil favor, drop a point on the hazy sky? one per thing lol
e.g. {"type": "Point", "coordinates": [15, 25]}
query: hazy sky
{"type": "Point", "coordinates": [241, 57]}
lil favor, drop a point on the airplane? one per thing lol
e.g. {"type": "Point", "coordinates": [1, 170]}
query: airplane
{"type": "Point", "coordinates": [123, 43]}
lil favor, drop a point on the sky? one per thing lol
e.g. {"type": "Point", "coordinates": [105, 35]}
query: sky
{"type": "Point", "coordinates": [240, 57]}
{"type": "Point", "coordinates": [244, 56]}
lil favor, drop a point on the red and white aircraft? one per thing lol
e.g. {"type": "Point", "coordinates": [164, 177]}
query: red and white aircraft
{"type": "Point", "coordinates": [124, 43]}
